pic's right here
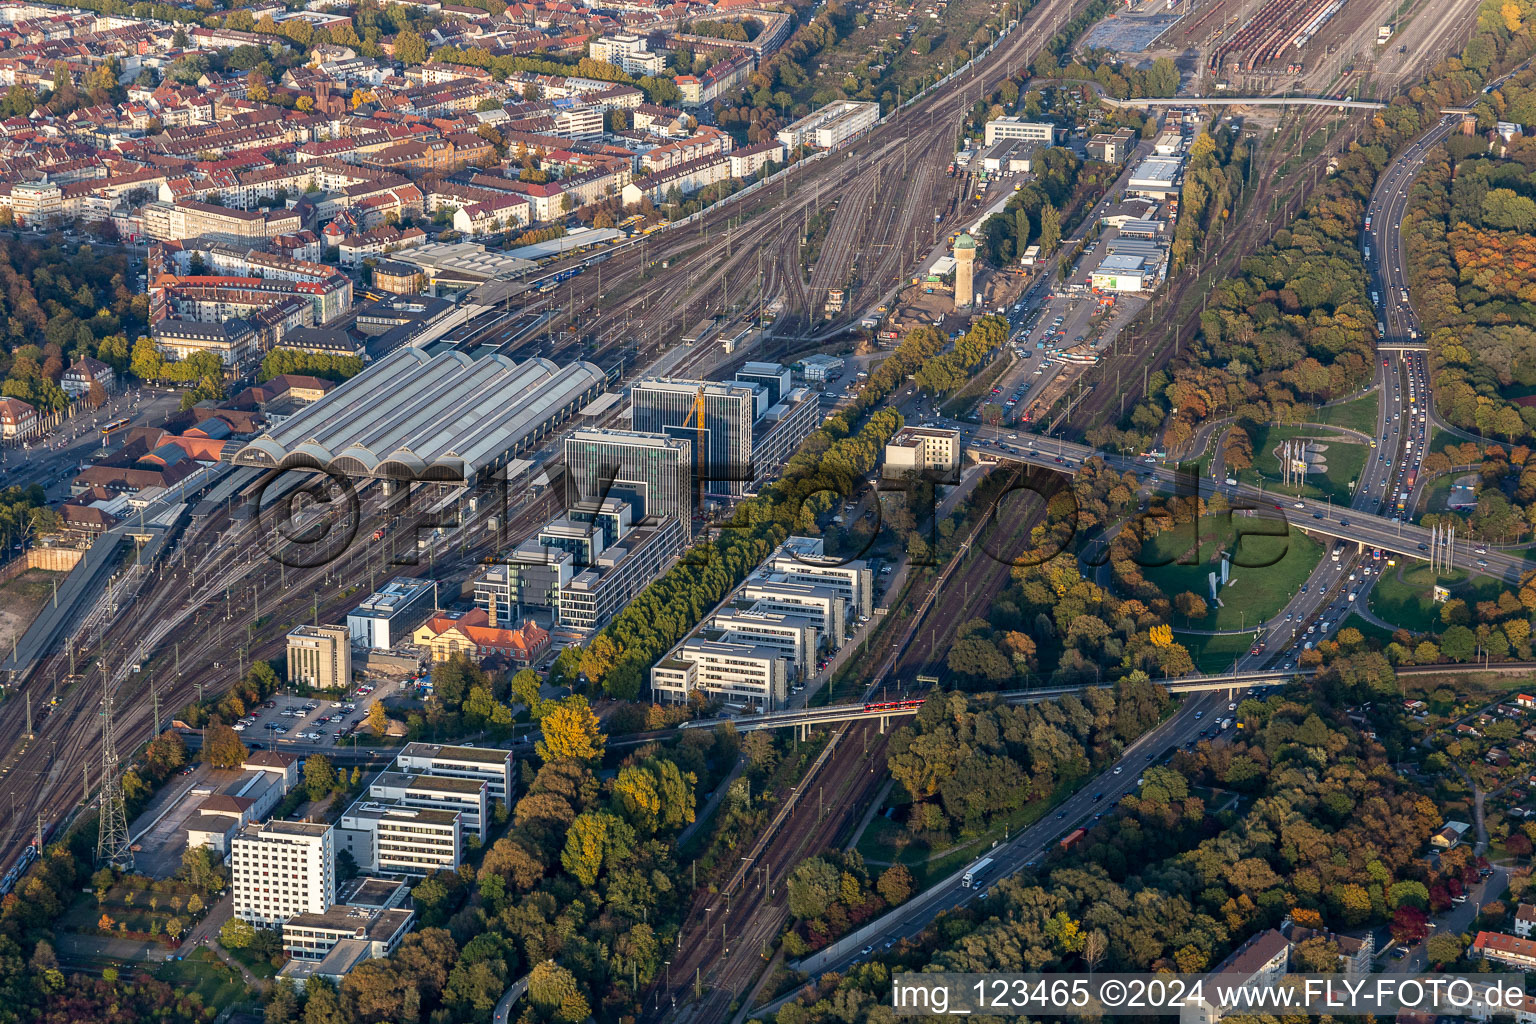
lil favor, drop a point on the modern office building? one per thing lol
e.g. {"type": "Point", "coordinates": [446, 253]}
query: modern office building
{"type": "Point", "coordinates": [804, 560]}
{"type": "Point", "coordinates": [400, 840]}
{"type": "Point", "coordinates": [716, 417]}
{"type": "Point", "coordinates": [650, 470]}
{"type": "Point", "coordinates": [469, 797]}
{"type": "Point", "coordinates": [830, 126]}
{"type": "Point", "coordinates": [320, 656]}
{"type": "Point", "coordinates": [735, 672]}
{"type": "Point", "coordinates": [491, 765]}
{"type": "Point", "coordinates": [780, 431]}
{"type": "Point", "coordinates": [774, 377]}
{"type": "Point", "coordinates": [387, 617]}
{"type": "Point", "coordinates": [281, 869]}
{"type": "Point", "coordinates": [795, 637]}
{"type": "Point", "coordinates": [570, 570]}
{"type": "Point", "coordinates": [777, 592]}
{"type": "Point", "coordinates": [1000, 128]}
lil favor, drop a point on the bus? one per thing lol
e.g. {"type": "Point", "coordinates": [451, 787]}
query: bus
{"type": "Point", "coordinates": [1338, 550]}
{"type": "Point", "coordinates": [114, 426]}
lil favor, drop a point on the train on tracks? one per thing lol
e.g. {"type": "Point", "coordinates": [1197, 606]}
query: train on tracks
{"type": "Point", "coordinates": [24, 860]}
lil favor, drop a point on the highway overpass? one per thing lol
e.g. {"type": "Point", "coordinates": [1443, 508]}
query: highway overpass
{"type": "Point", "coordinates": [1365, 530]}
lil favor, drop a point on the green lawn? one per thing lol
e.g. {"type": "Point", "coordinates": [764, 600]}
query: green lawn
{"type": "Point", "coordinates": [204, 973]}
{"type": "Point", "coordinates": [1267, 570]}
{"type": "Point", "coordinates": [1345, 456]}
{"type": "Point", "coordinates": [1410, 603]}
{"type": "Point", "coordinates": [1215, 653]}
{"type": "Point", "coordinates": [1357, 415]}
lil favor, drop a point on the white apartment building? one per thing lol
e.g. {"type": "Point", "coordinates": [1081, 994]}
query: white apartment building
{"type": "Point", "coordinates": [281, 869]}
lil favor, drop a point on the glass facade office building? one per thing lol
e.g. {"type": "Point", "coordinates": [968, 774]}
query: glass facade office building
{"type": "Point", "coordinates": [666, 406]}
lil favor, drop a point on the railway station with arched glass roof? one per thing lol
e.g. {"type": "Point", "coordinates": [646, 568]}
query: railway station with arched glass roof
{"type": "Point", "coordinates": [413, 416]}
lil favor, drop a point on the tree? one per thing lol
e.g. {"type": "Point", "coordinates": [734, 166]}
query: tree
{"type": "Point", "coordinates": [525, 690]}
{"type": "Point", "coordinates": [571, 731]}
{"type": "Point", "coordinates": [1442, 948]}
{"type": "Point", "coordinates": [236, 933]}
{"type": "Point", "coordinates": [1190, 605]}
{"type": "Point", "coordinates": [319, 776]}
{"type": "Point", "coordinates": [378, 720]}
{"type": "Point", "coordinates": [895, 885]}
{"type": "Point", "coordinates": [1050, 229]}
{"type": "Point", "coordinates": [410, 48]}
{"type": "Point", "coordinates": [322, 1004]}
{"type": "Point", "coordinates": [550, 986]}
{"type": "Point", "coordinates": [174, 927]}
{"type": "Point", "coordinates": [222, 747]}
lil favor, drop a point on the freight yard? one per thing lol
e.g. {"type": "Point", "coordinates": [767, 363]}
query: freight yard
{"type": "Point", "coordinates": [1360, 48]}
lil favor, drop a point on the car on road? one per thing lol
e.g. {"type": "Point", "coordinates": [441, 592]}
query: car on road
{"type": "Point", "coordinates": [866, 950]}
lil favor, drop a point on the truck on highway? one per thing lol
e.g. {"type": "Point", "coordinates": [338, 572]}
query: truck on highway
{"type": "Point", "coordinates": [975, 871]}
{"type": "Point", "coordinates": [1072, 838]}
{"type": "Point", "coordinates": [1226, 723]}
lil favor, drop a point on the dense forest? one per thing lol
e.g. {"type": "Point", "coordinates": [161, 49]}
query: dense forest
{"type": "Point", "coordinates": [1471, 252]}
{"type": "Point", "coordinates": [59, 302]}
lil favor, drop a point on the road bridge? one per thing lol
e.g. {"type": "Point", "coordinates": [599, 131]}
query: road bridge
{"type": "Point", "coordinates": [1363, 529]}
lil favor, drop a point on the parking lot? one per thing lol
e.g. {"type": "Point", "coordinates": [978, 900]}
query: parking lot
{"type": "Point", "coordinates": [287, 721]}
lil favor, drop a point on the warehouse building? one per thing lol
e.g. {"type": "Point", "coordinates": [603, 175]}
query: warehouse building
{"type": "Point", "coordinates": [1157, 177]}
{"type": "Point", "coordinates": [412, 416]}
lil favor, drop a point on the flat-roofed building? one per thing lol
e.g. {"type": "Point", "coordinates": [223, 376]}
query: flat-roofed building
{"type": "Point", "coordinates": [780, 431]}
{"type": "Point", "coordinates": [320, 656]}
{"type": "Point", "coordinates": [400, 840]}
{"type": "Point", "coordinates": [830, 126]}
{"type": "Point", "coordinates": [778, 592]}
{"type": "Point", "coordinates": [795, 637]}
{"type": "Point", "coordinates": [469, 797]}
{"type": "Point", "coordinates": [311, 937]}
{"type": "Point", "coordinates": [387, 617]}
{"type": "Point", "coordinates": [1157, 177]}
{"type": "Point", "coordinates": [281, 869]}
{"type": "Point", "coordinates": [491, 765]}
{"type": "Point", "coordinates": [922, 450]}
{"type": "Point", "coordinates": [747, 673]}
{"type": "Point", "coordinates": [717, 416]}
{"type": "Point", "coordinates": [804, 560]}
{"type": "Point", "coordinates": [1000, 128]}
{"type": "Point", "coordinates": [648, 469]}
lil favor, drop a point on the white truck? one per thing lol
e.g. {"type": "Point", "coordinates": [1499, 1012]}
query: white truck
{"type": "Point", "coordinates": [975, 871]}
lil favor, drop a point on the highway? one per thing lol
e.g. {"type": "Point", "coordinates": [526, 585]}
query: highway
{"type": "Point", "coordinates": [1094, 798]}
{"type": "Point", "coordinates": [1363, 529]}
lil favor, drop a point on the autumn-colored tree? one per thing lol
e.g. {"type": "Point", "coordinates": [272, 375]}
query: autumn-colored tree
{"type": "Point", "coordinates": [222, 747]}
{"type": "Point", "coordinates": [571, 730]}
{"type": "Point", "coordinates": [378, 719]}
